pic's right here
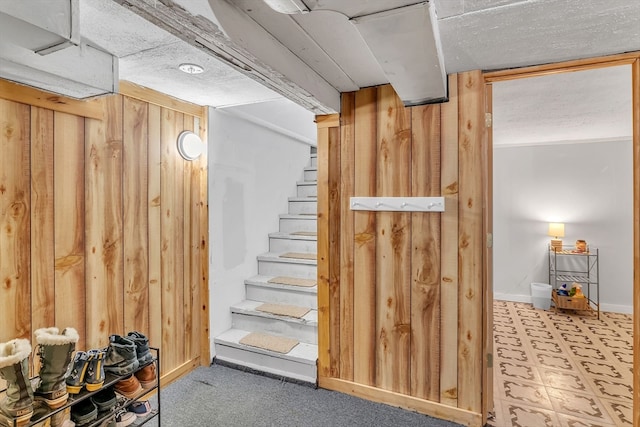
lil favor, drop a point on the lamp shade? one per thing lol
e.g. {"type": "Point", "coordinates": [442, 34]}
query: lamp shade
{"type": "Point", "coordinates": [556, 229]}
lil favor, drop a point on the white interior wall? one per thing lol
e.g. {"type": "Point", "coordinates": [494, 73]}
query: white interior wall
{"type": "Point", "coordinates": [254, 165]}
{"type": "Point", "coordinates": [586, 185]}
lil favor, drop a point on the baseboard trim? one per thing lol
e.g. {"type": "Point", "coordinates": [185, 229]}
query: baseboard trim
{"type": "Point", "coordinates": [611, 308]}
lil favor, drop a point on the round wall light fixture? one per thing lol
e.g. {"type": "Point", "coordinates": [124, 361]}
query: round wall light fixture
{"type": "Point", "coordinates": [190, 146]}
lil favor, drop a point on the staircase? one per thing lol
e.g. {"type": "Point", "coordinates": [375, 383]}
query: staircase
{"type": "Point", "coordinates": [286, 280]}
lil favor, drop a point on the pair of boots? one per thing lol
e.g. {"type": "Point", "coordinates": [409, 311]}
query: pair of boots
{"type": "Point", "coordinates": [55, 351]}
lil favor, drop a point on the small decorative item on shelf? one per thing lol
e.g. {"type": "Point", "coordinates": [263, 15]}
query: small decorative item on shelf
{"type": "Point", "coordinates": [563, 290]}
{"type": "Point", "coordinates": [581, 246]}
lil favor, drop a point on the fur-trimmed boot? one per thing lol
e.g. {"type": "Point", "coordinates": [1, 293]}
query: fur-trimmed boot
{"type": "Point", "coordinates": [14, 368]}
{"type": "Point", "coordinates": [55, 350]}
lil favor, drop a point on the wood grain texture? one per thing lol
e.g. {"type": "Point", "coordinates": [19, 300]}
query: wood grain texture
{"type": "Point", "coordinates": [334, 249]}
{"type": "Point", "coordinates": [154, 97]}
{"type": "Point", "coordinates": [636, 237]}
{"type": "Point", "coordinates": [449, 248]}
{"type": "Point", "coordinates": [202, 242]}
{"type": "Point", "coordinates": [425, 256]}
{"type": "Point", "coordinates": [155, 227]}
{"type": "Point", "coordinates": [347, 156]}
{"type": "Point", "coordinates": [51, 101]}
{"type": "Point", "coordinates": [364, 256]}
{"type": "Point", "coordinates": [15, 204]}
{"type": "Point", "coordinates": [470, 240]}
{"type": "Point", "coordinates": [172, 238]}
{"type": "Point", "coordinates": [324, 326]}
{"type": "Point", "coordinates": [103, 195]}
{"type": "Point", "coordinates": [69, 224]}
{"type": "Point", "coordinates": [135, 224]}
{"type": "Point", "coordinates": [42, 220]}
{"type": "Point", "coordinates": [487, 285]}
{"type": "Point", "coordinates": [393, 251]}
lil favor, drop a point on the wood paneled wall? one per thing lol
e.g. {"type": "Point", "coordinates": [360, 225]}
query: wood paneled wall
{"type": "Point", "coordinates": [103, 226]}
{"type": "Point", "coordinates": [401, 301]}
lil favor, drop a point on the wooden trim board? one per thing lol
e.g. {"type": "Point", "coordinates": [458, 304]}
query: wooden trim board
{"type": "Point", "coordinates": [163, 100]}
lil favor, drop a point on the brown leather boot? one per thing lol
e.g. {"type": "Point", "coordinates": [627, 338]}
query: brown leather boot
{"type": "Point", "coordinates": [147, 376]}
{"type": "Point", "coordinates": [128, 387]}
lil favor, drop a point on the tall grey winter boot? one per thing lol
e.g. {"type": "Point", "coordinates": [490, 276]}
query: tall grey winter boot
{"type": "Point", "coordinates": [14, 368]}
{"type": "Point", "coordinates": [55, 350]}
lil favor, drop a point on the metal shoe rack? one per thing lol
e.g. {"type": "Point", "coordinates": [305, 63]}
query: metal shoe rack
{"type": "Point", "coordinates": [122, 402]}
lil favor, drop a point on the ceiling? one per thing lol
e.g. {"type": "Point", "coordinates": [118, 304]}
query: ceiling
{"type": "Point", "coordinates": [251, 53]}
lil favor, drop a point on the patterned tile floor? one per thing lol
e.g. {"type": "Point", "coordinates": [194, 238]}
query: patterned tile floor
{"type": "Point", "coordinates": [564, 369]}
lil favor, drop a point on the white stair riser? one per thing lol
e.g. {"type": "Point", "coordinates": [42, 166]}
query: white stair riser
{"type": "Point", "coordinates": [307, 190]}
{"type": "Point", "coordinates": [267, 363]}
{"type": "Point", "coordinates": [311, 175]}
{"type": "Point", "coordinates": [281, 296]}
{"type": "Point", "coordinates": [299, 331]}
{"type": "Point", "coordinates": [303, 207]}
{"type": "Point", "coordinates": [292, 245]}
{"type": "Point", "coordinates": [314, 161]}
{"type": "Point", "coordinates": [289, 225]}
{"type": "Point", "coordinates": [271, 268]}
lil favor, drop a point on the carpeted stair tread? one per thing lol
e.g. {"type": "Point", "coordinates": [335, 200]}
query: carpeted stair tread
{"type": "Point", "coordinates": [269, 342]}
{"type": "Point", "coordinates": [295, 281]}
{"type": "Point", "coordinates": [283, 310]}
{"type": "Point", "coordinates": [299, 255]}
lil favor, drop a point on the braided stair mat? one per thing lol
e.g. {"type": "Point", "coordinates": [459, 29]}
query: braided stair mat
{"type": "Point", "coordinates": [305, 233]}
{"type": "Point", "coordinates": [299, 255]}
{"type": "Point", "coordinates": [284, 280]}
{"type": "Point", "coordinates": [269, 342]}
{"type": "Point", "coordinates": [283, 310]}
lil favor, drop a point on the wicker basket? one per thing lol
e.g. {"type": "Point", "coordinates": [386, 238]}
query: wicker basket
{"type": "Point", "coordinates": [570, 302]}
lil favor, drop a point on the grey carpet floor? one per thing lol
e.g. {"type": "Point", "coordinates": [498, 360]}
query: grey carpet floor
{"type": "Point", "coordinates": [222, 396]}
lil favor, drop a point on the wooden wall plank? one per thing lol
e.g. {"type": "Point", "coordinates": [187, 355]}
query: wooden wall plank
{"type": "Point", "coordinates": [324, 256]}
{"type": "Point", "coordinates": [155, 226]}
{"type": "Point", "coordinates": [635, 88]}
{"type": "Point", "coordinates": [470, 240]}
{"type": "Point", "coordinates": [334, 248]}
{"type": "Point", "coordinates": [92, 108]}
{"type": "Point", "coordinates": [172, 246]}
{"type": "Point", "coordinates": [425, 257]}
{"type": "Point", "coordinates": [203, 238]}
{"type": "Point", "coordinates": [364, 252]}
{"type": "Point", "coordinates": [449, 248]}
{"type": "Point", "coordinates": [42, 220]}
{"type": "Point", "coordinates": [393, 276]}
{"type": "Point", "coordinates": [103, 220]}
{"type": "Point", "coordinates": [135, 227]}
{"type": "Point", "coordinates": [69, 224]}
{"type": "Point", "coordinates": [15, 216]}
{"type": "Point", "coordinates": [347, 156]}
{"type": "Point", "coordinates": [160, 99]}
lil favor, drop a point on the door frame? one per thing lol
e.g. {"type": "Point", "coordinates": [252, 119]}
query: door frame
{"type": "Point", "coordinates": [632, 59]}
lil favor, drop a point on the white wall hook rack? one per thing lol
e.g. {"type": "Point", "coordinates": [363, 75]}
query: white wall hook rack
{"type": "Point", "coordinates": [397, 204]}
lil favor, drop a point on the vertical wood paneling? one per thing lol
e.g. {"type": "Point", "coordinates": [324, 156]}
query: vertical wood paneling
{"type": "Point", "coordinates": [69, 225]}
{"type": "Point", "coordinates": [136, 216]}
{"type": "Point", "coordinates": [172, 243]}
{"type": "Point", "coordinates": [202, 303]}
{"type": "Point", "coordinates": [470, 241]}
{"type": "Point", "coordinates": [324, 321]}
{"type": "Point", "coordinates": [42, 220]}
{"type": "Point", "coordinates": [104, 224]}
{"type": "Point", "coordinates": [364, 256]}
{"type": "Point", "coordinates": [155, 227]}
{"type": "Point", "coordinates": [15, 293]}
{"type": "Point", "coordinates": [347, 155]}
{"type": "Point", "coordinates": [334, 249]}
{"type": "Point", "coordinates": [393, 277]}
{"type": "Point", "coordinates": [449, 248]}
{"type": "Point", "coordinates": [425, 257]}
{"type": "Point", "coordinates": [83, 236]}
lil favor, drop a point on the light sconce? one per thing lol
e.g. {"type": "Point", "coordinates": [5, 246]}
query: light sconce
{"type": "Point", "coordinates": [190, 146]}
{"type": "Point", "coordinates": [556, 229]}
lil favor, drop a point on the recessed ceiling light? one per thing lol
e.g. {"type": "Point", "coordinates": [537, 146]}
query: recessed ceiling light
{"type": "Point", "coordinates": [191, 68]}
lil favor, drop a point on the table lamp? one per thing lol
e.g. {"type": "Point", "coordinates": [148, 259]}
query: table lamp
{"type": "Point", "coordinates": [556, 229]}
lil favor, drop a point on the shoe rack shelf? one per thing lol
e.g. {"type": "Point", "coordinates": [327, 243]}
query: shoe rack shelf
{"type": "Point", "coordinates": [121, 403]}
